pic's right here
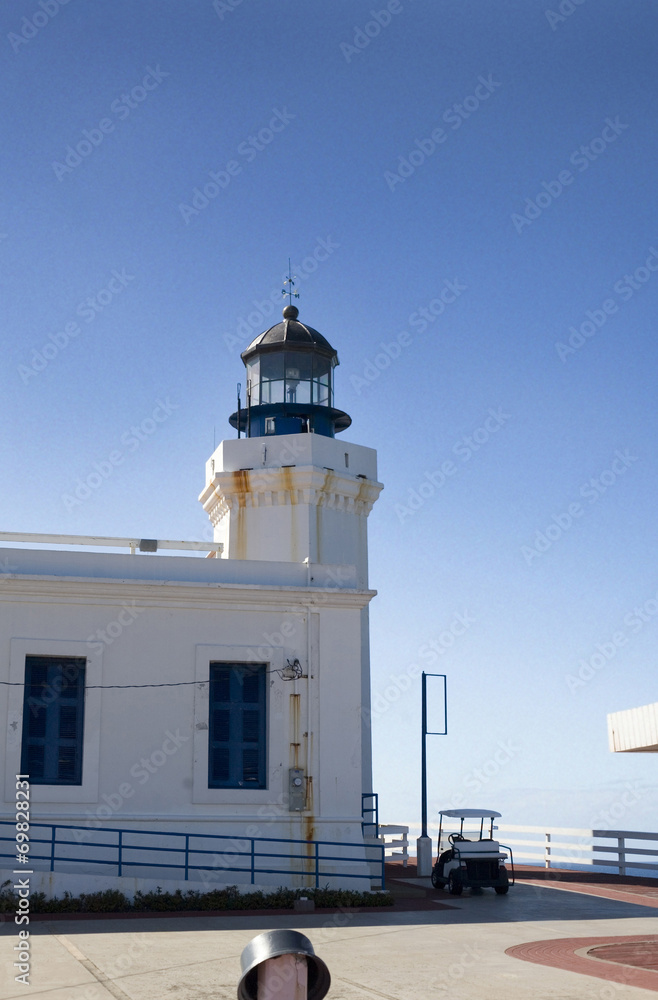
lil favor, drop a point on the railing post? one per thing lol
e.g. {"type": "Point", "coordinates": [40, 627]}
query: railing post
{"type": "Point", "coordinates": [547, 851]}
{"type": "Point", "coordinates": [52, 848]}
{"type": "Point", "coordinates": [384, 867]}
{"type": "Point", "coordinates": [621, 860]}
{"type": "Point", "coordinates": [253, 861]}
{"type": "Point", "coordinates": [187, 856]}
{"type": "Point", "coordinates": [317, 864]}
{"type": "Point", "coordinates": [120, 850]}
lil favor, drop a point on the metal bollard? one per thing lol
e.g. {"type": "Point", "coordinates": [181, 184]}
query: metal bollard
{"type": "Point", "coordinates": [281, 965]}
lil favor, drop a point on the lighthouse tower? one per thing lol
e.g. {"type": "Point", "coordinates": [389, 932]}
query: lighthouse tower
{"type": "Point", "coordinates": [290, 499]}
{"type": "Point", "coordinates": [288, 490]}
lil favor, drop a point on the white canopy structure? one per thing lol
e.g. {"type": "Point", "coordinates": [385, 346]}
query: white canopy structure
{"type": "Point", "coordinates": [635, 730]}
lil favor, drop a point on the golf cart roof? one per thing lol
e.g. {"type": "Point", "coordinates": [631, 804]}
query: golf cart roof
{"type": "Point", "coordinates": [469, 813]}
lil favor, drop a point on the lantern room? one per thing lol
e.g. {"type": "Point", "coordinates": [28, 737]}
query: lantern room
{"type": "Point", "coordinates": [289, 371]}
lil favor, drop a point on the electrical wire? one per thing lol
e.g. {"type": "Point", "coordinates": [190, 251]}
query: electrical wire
{"type": "Point", "coordinates": [295, 667]}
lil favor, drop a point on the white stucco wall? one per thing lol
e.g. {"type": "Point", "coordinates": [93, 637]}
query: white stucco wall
{"type": "Point", "coordinates": [291, 498]}
{"type": "Point", "coordinates": [293, 449]}
{"type": "Point", "coordinates": [146, 619]}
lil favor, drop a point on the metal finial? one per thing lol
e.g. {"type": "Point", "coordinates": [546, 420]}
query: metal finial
{"type": "Point", "coordinates": [291, 282]}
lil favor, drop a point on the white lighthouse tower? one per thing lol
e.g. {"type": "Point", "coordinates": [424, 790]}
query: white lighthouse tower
{"type": "Point", "coordinates": [289, 490]}
{"type": "Point", "coordinates": [285, 490]}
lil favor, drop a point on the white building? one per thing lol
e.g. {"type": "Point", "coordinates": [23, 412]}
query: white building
{"type": "Point", "coordinates": [263, 728]}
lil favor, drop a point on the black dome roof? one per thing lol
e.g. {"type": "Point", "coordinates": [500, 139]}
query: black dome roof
{"type": "Point", "coordinates": [290, 334]}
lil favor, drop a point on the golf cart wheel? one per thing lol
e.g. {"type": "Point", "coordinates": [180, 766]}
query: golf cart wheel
{"type": "Point", "coordinates": [436, 881]}
{"type": "Point", "coordinates": [501, 890]}
{"type": "Point", "coordinates": [455, 886]}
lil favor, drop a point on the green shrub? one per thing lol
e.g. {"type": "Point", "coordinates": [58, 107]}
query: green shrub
{"type": "Point", "coordinates": [168, 901]}
{"type": "Point", "coordinates": [8, 898]}
{"type": "Point", "coordinates": [228, 898]}
{"type": "Point", "coordinates": [108, 901]}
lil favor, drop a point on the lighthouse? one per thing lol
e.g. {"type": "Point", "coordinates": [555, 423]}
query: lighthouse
{"type": "Point", "coordinates": [290, 490]}
{"type": "Point", "coordinates": [245, 719]}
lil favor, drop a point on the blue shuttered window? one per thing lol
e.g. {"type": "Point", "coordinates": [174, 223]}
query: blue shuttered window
{"type": "Point", "coordinates": [53, 719]}
{"type": "Point", "coordinates": [237, 739]}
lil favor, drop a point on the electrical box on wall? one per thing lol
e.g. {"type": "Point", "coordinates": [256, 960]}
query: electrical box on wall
{"type": "Point", "coordinates": [296, 790]}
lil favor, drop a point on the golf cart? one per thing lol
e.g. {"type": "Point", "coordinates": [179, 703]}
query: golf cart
{"type": "Point", "coordinates": [473, 862]}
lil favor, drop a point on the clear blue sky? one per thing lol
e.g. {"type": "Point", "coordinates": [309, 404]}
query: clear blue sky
{"type": "Point", "coordinates": [491, 153]}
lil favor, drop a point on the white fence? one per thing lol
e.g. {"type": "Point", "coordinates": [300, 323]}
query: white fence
{"type": "Point", "coordinates": [398, 847]}
{"type": "Point", "coordinates": [563, 845]}
{"type": "Point", "coordinates": [632, 851]}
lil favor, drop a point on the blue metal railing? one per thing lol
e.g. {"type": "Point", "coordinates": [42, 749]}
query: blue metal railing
{"type": "Point", "coordinates": [308, 855]}
{"type": "Point", "coordinates": [371, 810]}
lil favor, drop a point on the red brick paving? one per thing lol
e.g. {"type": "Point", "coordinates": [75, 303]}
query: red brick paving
{"type": "Point", "coordinates": [561, 954]}
{"type": "Point", "coordinates": [164, 914]}
{"type": "Point", "coordinates": [642, 954]}
{"type": "Point", "coordinates": [395, 869]}
{"type": "Point", "coordinates": [632, 959]}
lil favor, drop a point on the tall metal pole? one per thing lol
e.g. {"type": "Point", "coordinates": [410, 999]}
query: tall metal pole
{"type": "Point", "coordinates": [423, 768]}
{"type": "Point", "coordinates": [424, 843]}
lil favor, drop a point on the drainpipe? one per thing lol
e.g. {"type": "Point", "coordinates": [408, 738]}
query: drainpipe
{"type": "Point", "coordinates": [308, 691]}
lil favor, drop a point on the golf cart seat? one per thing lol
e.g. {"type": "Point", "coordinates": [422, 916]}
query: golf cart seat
{"type": "Point", "coordinates": [479, 849]}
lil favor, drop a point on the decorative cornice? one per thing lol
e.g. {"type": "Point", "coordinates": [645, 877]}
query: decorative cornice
{"type": "Point", "coordinates": [232, 596]}
{"type": "Point", "coordinates": [288, 486]}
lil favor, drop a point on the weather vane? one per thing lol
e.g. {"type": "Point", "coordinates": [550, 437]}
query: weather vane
{"type": "Point", "coordinates": [291, 282]}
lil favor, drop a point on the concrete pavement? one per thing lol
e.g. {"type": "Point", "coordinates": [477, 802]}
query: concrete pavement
{"type": "Point", "coordinates": [457, 951]}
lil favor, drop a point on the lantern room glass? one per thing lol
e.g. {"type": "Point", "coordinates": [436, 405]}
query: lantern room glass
{"type": "Point", "coordinates": [290, 377]}
{"type": "Point", "coordinates": [322, 389]}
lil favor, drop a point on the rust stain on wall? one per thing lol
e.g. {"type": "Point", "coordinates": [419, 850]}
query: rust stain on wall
{"type": "Point", "coordinates": [241, 487]}
{"type": "Point", "coordinates": [288, 484]}
{"type": "Point", "coordinates": [295, 709]}
{"type": "Point", "coordinates": [309, 806]}
{"type": "Point", "coordinates": [309, 827]}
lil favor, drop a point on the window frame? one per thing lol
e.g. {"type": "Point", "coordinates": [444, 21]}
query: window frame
{"type": "Point", "coordinates": [65, 795]}
{"type": "Point", "coordinates": [43, 719]}
{"type": "Point", "coordinates": [227, 717]}
{"type": "Point", "coordinates": [276, 730]}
